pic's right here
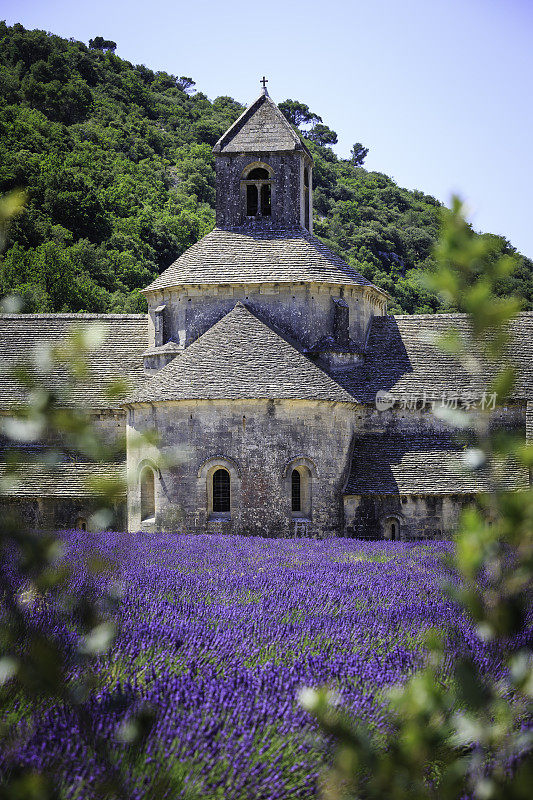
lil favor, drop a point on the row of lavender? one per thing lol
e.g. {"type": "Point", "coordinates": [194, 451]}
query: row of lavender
{"type": "Point", "coordinates": [220, 633]}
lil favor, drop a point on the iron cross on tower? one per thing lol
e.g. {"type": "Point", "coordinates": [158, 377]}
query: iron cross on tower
{"type": "Point", "coordinates": [264, 81]}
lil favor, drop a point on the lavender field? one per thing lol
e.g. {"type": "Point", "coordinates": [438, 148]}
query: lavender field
{"type": "Point", "coordinates": [219, 634]}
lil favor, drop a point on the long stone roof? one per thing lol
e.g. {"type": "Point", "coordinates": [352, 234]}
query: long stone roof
{"type": "Point", "coordinates": [260, 128]}
{"type": "Point", "coordinates": [428, 462]}
{"type": "Point", "coordinates": [240, 357]}
{"type": "Point", "coordinates": [70, 479]}
{"type": "Point", "coordinates": [119, 356]}
{"type": "Point", "coordinates": [402, 357]}
{"type": "Point", "coordinates": [242, 256]}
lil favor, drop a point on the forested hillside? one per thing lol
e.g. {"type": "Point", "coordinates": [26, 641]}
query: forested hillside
{"type": "Point", "coordinates": [116, 160]}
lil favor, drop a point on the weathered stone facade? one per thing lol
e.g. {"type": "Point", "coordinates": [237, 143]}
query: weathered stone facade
{"type": "Point", "coordinates": [259, 442]}
{"type": "Point", "coordinates": [302, 311]}
{"type": "Point", "coordinates": [417, 516]}
{"type": "Point", "coordinates": [407, 466]}
{"type": "Point", "coordinates": [287, 195]}
{"type": "Point", "coordinates": [258, 366]}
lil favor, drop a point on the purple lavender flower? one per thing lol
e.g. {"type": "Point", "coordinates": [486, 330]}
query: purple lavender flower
{"type": "Point", "coordinates": [219, 634]}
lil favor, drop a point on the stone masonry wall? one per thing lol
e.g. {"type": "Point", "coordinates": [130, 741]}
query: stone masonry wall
{"type": "Point", "coordinates": [55, 510]}
{"type": "Point", "coordinates": [287, 182]}
{"type": "Point", "coordinates": [418, 516]}
{"type": "Point", "coordinates": [304, 312]}
{"type": "Point", "coordinates": [256, 440]}
{"type": "Point", "coordinates": [110, 425]}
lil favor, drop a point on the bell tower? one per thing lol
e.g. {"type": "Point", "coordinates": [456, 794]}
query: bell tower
{"type": "Point", "coordinates": [264, 172]}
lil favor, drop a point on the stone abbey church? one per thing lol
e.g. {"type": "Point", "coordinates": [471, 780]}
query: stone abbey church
{"type": "Point", "coordinates": [258, 364]}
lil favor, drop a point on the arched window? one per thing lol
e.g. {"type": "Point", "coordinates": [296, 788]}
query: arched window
{"type": "Point", "coordinates": [300, 488]}
{"type": "Point", "coordinates": [392, 528]}
{"type": "Point", "coordinates": [296, 495]}
{"type": "Point", "coordinates": [147, 494]}
{"type": "Point", "coordinates": [81, 524]}
{"type": "Point", "coordinates": [258, 191]}
{"type": "Point", "coordinates": [221, 491]}
{"type": "Point", "coordinates": [220, 478]}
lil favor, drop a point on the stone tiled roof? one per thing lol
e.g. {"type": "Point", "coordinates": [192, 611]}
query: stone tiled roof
{"type": "Point", "coordinates": [238, 358]}
{"type": "Point", "coordinates": [425, 463]}
{"type": "Point", "coordinates": [120, 355]}
{"type": "Point", "coordinates": [260, 256]}
{"type": "Point", "coordinates": [261, 128]}
{"type": "Point", "coordinates": [402, 357]}
{"type": "Point", "coordinates": [61, 480]}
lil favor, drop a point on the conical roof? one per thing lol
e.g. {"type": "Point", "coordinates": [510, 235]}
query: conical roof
{"type": "Point", "coordinates": [248, 256]}
{"type": "Point", "coordinates": [261, 128]}
{"type": "Point", "coordinates": [240, 357]}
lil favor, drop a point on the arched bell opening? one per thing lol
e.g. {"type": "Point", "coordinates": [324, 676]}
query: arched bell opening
{"type": "Point", "coordinates": [252, 200]}
{"type": "Point", "coordinates": [256, 186]}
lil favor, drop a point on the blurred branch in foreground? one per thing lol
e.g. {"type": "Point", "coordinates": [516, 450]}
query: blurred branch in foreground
{"type": "Point", "coordinates": [57, 618]}
{"type": "Point", "coordinates": [459, 733]}
{"type": "Point", "coordinates": [11, 205]}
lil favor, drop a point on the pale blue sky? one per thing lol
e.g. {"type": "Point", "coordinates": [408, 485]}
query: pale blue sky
{"type": "Point", "coordinates": [439, 90]}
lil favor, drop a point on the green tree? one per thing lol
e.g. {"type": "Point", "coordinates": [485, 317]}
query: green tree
{"type": "Point", "coordinates": [186, 84]}
{"type": "Point", "coordinates": [298, 113]}
{"type": "Point", "coordinates": [99, 43]}
{"type": "Point", "coordinates": [104, 147]}
{"type": "Point", "coordinates": [11, 205]}
{"type": "Point", "coordinates": [358, 153]}
{"type": "Point", "coordinates": [322, 135]}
